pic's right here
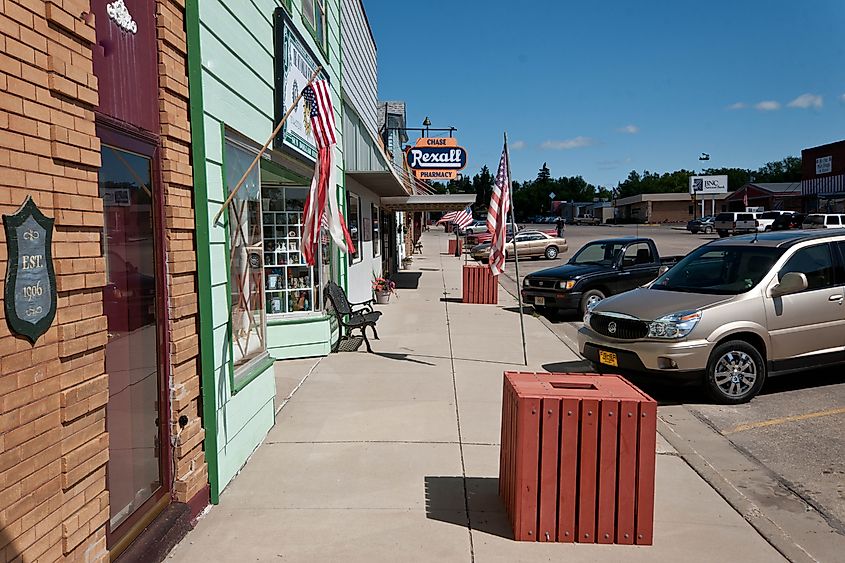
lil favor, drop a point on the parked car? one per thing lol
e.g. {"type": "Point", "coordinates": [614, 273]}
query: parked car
{"type": "Point", "coordinates": [730, 314]}
{"type": "Point", "coordinates": [476, 227]}
{"type": "Point", "coordinates": [529, 243]}
{"type": "Point", "coordinates": [786, 221]}
{"type": "Point", "coordinates": [485, 236]}
{"type": "Point", "coordinates": [732, 223]}
{"type": "Point", "coordinates": [766, 220]}
{"type": "Point", "coordinates": [702, 225]}
{"type": "Point", "coordinates": [823, 221]}
{"type": "Point", "coordinates": [598, 270]}
{"type": "Point", "coordinates": [586, 220]}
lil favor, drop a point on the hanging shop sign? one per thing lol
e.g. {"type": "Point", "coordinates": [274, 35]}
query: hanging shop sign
{"type": "Point", "coordinates": [436, 158]}
{"type": "Point", "coordinates": [30, 292]}
{"type": "Point", "coordinates": [295, 63]}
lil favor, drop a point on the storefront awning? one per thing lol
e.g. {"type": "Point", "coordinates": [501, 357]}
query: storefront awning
{"type": "Point", "coordinates": [383, 184]}
{"type": "Point", "coordinates": [428, 202]}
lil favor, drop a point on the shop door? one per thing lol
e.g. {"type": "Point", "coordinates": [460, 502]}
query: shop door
{"type": "Point", "coordinates": [135, 468]}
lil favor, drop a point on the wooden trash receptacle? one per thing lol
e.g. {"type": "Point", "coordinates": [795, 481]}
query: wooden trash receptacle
{"type": "Point", "coordinates": [456, 246]}
{"type": "Point", "coordinates": [577, 458]}
{"type": "Point", "coordinates": [480, 285]}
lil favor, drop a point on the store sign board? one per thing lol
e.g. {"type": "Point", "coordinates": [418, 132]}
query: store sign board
{"type": "Point", "coordinates": [436, 158]}
{"type": "Point", "coordinates": [824, 165]}
{"type": "Point", "coordinates": [295, 64]}
{"type": "Point", "coordinates": [708, 185]}
{"type": "Point", "coordinates": [30, 291]}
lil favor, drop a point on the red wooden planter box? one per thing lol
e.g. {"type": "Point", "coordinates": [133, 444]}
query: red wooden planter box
{"type": "Point", "coordinates": [480, 285]}
{"type": "Point", "coordinates": [453, 243]}
{"type": "Point", "coordinates": [577, 458]}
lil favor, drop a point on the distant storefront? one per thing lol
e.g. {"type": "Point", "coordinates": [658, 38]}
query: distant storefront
{"type": "Point", "coordinates": [823, 178]}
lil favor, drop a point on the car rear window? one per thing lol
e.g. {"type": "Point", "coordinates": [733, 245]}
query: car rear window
{"type": "Point", "coordinates": [770, 215]}
{"type": "Point", "coordinates": [725, 217]}
{"type": "Point", "coordinates": [744, 217]}
{"type": "Point", "coordinates": [814, 219]}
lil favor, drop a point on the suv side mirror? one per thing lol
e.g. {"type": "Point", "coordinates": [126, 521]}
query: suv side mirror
{"type": "Point", "coordinates": [792, 282]}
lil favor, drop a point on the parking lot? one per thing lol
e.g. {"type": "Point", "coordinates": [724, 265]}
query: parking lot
{"type": "Point", "coordinates": [793, 429]}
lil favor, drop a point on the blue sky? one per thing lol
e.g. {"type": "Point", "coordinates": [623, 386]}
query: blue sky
{"type": "Point", "coordinates": [601, 88]}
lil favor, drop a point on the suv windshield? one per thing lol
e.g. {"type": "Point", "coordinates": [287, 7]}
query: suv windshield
{"type": "Point", "coordinates": [719, 270]}
{"type": "Point", "coordinates": [602, 253]}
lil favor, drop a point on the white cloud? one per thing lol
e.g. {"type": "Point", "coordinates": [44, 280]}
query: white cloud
{"type": "Point", "coordinates": [517, 145]}
{"type": "Point", "coordinates": [805, 101]}
{"type": "Point", "coordinates": [738, 105]}
{"type": "Point", "coordinates": [567, 144]}
{"type": "Point", "coordinates": [768, 105]}
{"type": "Point", "coordinates": [630, 129]}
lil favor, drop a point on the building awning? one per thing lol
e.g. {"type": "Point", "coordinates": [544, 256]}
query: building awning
{"type": "Point", "coordinates": [385, 183]}
{"type": "Point", "coordinates": [428, 202]}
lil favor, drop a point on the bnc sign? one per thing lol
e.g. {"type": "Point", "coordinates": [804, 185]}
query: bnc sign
{"type": "Point", "coordinates": [708, 185]}
{"type": "Point", "coordinates": [436, 158]}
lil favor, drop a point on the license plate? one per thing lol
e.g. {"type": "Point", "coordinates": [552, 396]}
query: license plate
{"type": "Point", "coordinates": [608, 358]}
{"type": "Point", "coordinates": [540, 301]}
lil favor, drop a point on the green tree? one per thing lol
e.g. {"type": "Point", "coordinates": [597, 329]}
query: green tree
{"type": "Point", "coordinates": [544, 174]}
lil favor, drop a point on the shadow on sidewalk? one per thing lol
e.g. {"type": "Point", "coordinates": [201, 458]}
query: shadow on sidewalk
{"type": "Point", "coordinates": [451, 300]}
{"type": "Point", "coordinates": [406, 280]}
{"type": "Point", "coordinates": [577, 366]}
{"type": "Point", "coordinates": [444, 502]}
{"type": "Point", "coordinates": [402, 358]}
{"type": "Point", "coordinates": [526, 309]}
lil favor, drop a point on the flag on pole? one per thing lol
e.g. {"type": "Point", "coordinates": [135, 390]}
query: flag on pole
{"type": "Point", "coordinates": [448, 217]}
{"type": "Point", "coordinates": [318, 102]}
{"type": "Point", "coordinates": [497, 214]}
{"type": "Point", "coordinates": [463, 219]}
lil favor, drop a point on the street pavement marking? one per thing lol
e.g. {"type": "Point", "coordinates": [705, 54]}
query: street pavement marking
{"type": "Point", "coordinates": [781, 420]}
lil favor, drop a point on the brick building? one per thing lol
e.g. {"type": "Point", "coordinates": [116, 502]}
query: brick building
{"type": "Point", "coordinates": [100, 419]}
{"type": "Point", "coordinates": [663, 208]}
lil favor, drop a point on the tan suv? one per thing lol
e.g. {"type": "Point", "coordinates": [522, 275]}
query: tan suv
{"type": "Point", "coordinates": [731, 313]}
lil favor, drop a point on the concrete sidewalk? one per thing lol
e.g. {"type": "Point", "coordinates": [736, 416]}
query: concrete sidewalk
{"type": "Point", "coordinates": [393, 456]}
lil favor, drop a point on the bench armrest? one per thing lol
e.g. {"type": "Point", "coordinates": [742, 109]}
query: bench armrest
{"type": "Point", "coordinates": [364, 306]}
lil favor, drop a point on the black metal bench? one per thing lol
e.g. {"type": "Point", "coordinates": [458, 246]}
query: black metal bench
{"type": "Point", "coordinates": [351, 316]}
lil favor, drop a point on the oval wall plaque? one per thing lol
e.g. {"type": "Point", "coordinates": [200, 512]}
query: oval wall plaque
{"type": "Point", "coordinates": [30, 293]}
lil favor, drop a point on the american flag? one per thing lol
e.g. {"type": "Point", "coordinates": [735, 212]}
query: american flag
{"type": "Point", "coordinates": [497, 214]}
{"type": "Point", "coordinates": [448, 217]}
{"type": "Point", "coordinates": [463, 218]}
{"type": "Point", "coordinates": [318, 100]}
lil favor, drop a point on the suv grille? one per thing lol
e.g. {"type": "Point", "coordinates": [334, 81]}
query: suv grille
{"type": "Point", "coordinates": [625, 329]}
{"type": "Point", "coordinates": [548, 284]}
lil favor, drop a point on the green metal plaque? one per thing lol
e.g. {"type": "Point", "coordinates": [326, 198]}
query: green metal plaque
{"type": "Point", "coordinates": [30, 293]}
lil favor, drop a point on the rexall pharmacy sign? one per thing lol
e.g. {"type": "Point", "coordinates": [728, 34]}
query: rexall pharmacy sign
{"type": "Point", "coordinates": [436, 158]}
{"type": "Point", "coordinates": [708, 185]}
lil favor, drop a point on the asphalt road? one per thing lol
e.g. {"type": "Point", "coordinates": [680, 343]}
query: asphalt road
{"type": "Point", "coordinates": [793, 430]}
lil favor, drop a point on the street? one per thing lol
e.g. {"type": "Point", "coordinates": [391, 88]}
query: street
{"type": "Point", "coordinates": [793, 429]}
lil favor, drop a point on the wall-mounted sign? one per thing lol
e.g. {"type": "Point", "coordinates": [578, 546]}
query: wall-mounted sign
{"type": "Point", "coordinates": [30, 294]}
{"type": "Point", "coordinates": [824, 165]}
{"type": "Point", "coordinates": [119, 14]}
{"type": "Point", "coordinates": [295, 63]}
{"type": "Point", "coordinates": [436, 158]}
{"type": "Point", "coordinates": [708, 185]}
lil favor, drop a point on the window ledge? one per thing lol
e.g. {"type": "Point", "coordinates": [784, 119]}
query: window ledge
{"type": "Point", "coordinates": [251, 371]}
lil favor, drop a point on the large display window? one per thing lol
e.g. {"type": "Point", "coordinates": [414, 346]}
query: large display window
{"type": "Point", "coordinates": [292, 286]}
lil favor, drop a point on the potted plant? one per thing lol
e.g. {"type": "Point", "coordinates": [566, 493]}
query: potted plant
{"type": "Point", "coordinates": [383, 288]}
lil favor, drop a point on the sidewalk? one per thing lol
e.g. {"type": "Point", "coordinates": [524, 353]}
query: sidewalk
{"type": "Point", "coordinates": [393, 456]}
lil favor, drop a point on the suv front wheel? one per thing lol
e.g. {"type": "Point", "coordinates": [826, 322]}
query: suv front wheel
{"type": "Point", "coordinates": [735, 372]}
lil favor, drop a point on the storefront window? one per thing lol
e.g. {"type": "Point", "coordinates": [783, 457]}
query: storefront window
{"type": "Point", "coordinates": [292, 285]}
{"type": "Point", "coordinates": [245, 256]}
{"type": "Point", "coordinates": [353, 218]}
{"type": "Point", "coordinates": [374, 210]}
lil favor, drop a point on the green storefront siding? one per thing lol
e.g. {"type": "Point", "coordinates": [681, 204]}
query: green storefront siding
{"type": "Point", "coordinates": [231, 62]}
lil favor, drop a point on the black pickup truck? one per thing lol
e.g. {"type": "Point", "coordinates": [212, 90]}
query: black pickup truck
{"type": "Point", "coordinates": [600, 269]}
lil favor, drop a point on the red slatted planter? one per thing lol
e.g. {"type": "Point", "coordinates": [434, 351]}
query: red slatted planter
{"type": "Point", "coordinates": [459, 243]}
{"type": "Point", "coordinates": [480, 285]}
{"type": "Point", "coordinates": [577, 458]}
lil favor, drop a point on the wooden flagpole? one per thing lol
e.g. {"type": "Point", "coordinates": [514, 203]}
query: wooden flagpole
{"type": "Point", "coordinates": [266, 145]}
{"type": "Point", "coordinates": [515, 253]}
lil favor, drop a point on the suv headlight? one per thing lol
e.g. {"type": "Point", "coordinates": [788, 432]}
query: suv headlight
{"type": "Point", "coordinates": [677, 325]}
{"type": "Point", "coordinates": [568, 284]}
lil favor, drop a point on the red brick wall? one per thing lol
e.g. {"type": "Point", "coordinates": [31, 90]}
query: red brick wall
{"type": "Point", "coordinates": [191, 475]}
{"type": "Point", "coordinates": [53, 444]}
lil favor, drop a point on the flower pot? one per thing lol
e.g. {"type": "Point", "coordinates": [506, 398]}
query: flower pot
{"type": "Point", "coordinates": [382, 297]}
